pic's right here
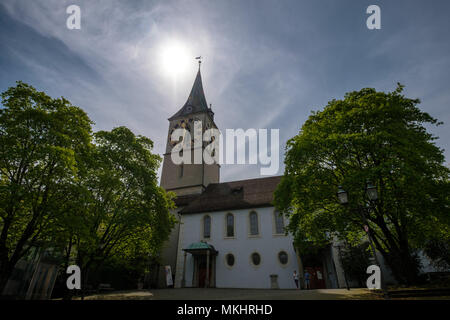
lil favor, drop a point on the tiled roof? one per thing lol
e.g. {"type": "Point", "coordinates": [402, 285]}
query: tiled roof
{"type": "Point", "coordinates": [233, 195]}
{"type": "Point", "coordinates": [182, 201]}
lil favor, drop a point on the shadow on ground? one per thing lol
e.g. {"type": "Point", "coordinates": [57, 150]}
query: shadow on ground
{"type": "Point", "coordinates": [239, 294]}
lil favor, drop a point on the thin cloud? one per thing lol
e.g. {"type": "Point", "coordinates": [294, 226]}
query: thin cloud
{"type": "Point", "coordinates": [266, 64]}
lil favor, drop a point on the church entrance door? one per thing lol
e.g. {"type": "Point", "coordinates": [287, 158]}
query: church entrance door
{"type": "Point", "coordinates": [204, 256]}
{"type": "Point", "coordinates": [202, 272]}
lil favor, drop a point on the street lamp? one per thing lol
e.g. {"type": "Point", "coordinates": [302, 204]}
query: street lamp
{"type": "Point", "coordinates": [342, 195]}
{"type": "Point", "coordinates": [371, 191]}
{"type": "Point", "coordinates": [372, 194]}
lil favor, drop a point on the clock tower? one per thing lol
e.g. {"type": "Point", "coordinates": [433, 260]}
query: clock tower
{"type": "Point", "coordinates": [185, 178]}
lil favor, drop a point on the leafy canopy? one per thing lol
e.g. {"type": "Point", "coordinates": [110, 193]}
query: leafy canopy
{"type": "Point", "coordinates": [39, 140]}
{"type": "Point", "coordinates": [62, 187]}
{"type": "Point", "coordinates": [126, 209]}
{"type": "Point", "coordinates": [374, 136]}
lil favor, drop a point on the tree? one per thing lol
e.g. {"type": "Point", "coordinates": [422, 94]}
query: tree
{"type": "Point", "coordinates": [374, 136]}
{"type": "Point", "coordinates": [39, 138]}
{"type": "Point", "coordinates": [89, 196]}
{"type": "Point", "coordinates": [124, 213]}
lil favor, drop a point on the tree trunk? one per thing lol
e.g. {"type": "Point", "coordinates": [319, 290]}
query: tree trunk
{"type": "Point", "coordinates": [397, 254]}
{"type": "Point", "coordinates": [68, 294]}
{"type": "Point", "coordinates": [402, 264]}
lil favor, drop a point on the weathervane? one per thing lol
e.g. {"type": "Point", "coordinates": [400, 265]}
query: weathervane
{"type": "Point", "coordinates": [199, 58]}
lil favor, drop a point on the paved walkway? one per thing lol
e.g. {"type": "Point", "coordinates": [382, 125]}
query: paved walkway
{"type": "Point", "coordinates": [238, 294]}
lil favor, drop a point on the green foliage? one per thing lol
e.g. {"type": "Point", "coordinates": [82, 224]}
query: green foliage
{"type": "Point", "coordinates": [39, 137]}
{"type": "Point", "coordinates": [127, 211]}
{"type": "Point", "coordinates": [374, 136]}
{"type": "Point", "coordinates": [91, 196]}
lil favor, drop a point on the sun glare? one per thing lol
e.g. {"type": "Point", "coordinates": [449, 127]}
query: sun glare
{"type": "Point", "coordinates": [175, 58]}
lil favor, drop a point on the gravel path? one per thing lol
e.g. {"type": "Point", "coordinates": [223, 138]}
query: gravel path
{"type": "Point", "coordinates": [237, 294]}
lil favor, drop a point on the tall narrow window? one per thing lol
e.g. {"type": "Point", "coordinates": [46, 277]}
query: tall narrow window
{"type": "Point", "coordinates": [279, 222]}
{"type": "Point", "coordinates": [254, 223]}
{"type": "Point", "coordinates": [207, 227]}
{"type": "Point", "coordinates": [230, 225]}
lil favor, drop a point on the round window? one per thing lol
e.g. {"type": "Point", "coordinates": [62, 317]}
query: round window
{"type": "Point", "coordinates": [256, 259]}
{"type": "Point", "coordinates": [283, 257]}
{"type": "Point", "coordinates": [230, 259]}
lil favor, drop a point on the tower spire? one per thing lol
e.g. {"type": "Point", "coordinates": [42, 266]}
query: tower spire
{"type": "Point", "coordinates": [196, 101]}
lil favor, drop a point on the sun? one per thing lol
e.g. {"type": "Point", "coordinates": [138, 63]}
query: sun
{"type": "Point", "coordinates": [176, 58]}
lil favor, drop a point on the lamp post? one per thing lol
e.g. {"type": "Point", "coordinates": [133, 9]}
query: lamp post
{"type": "Point", "coordinates": [372, 195]}
{"type": "Point", "coordinates": [343, 269]}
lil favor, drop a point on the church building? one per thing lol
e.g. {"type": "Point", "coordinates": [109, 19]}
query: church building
{"type": "Point", "coordinates": [229, 234]}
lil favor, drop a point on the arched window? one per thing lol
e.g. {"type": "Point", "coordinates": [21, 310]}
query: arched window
{"type": "Point", "coordinates": [230, 225]}
{"type": "Point", "coordinates": [279, 222]}
{"type": "Point", "coordinates": [206, 227]}
{"type": "Point", "coordinates": [254, 223]}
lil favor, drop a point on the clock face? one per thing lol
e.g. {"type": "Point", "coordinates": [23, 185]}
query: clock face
{"type": "Point", "coordinates": [172, 142]}
{"type": "Point", "coordinates": [188, 109]}
{"type": "Point", "coordinates": [183, 124]}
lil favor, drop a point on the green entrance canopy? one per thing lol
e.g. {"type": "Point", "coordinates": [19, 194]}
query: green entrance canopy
{"type": "Point", "coordinates": [199, 247]}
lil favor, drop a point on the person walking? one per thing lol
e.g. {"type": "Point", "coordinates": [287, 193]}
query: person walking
{"type": "Point", "coordinates": [307, 279]}
{"type": "Point", "coordinates": [296, 278]}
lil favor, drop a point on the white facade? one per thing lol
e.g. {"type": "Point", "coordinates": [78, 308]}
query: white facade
{"type": "Point", "coordinates": [243, 274]}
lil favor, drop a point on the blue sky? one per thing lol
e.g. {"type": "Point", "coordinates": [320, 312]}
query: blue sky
{"type": "Point", "coordinates": [267, 64]}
